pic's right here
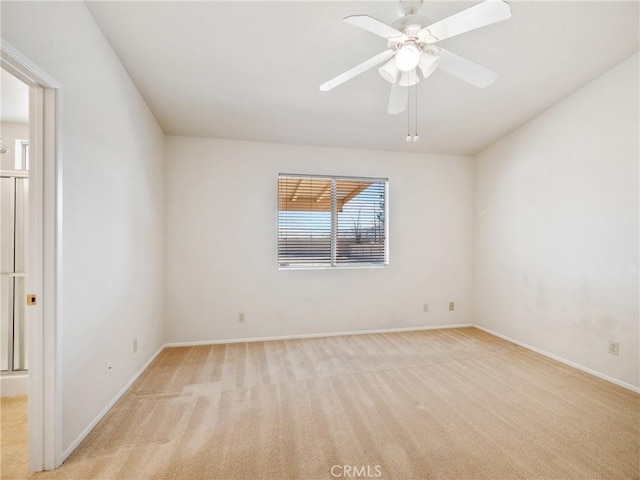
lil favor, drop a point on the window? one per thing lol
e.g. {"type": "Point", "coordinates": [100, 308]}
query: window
{"type": "Point", "coordinates": [332, 222]}
{"type": "Point", "coordinates": [22, 155]}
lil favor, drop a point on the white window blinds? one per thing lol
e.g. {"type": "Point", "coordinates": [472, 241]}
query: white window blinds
{"type": "Point", "coordinates": [331, 221]}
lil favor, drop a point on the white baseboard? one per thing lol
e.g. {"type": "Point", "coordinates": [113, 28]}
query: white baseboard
{"type": "Point", "coordinates": [314, 335]}
{"type": "Point", "coordinates": [12, 384]}
{"type": "Point", "coordinates": [106, 409]}
{"type": "Point", "coordinates": [553, 356]}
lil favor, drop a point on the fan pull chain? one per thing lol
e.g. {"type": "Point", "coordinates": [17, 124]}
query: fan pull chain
{"type": "Point", "coordinates": [408, 139]}
{"type": "Point", "coordinates": [415, 137]}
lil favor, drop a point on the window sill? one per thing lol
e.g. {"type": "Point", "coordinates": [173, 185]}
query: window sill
{"type": "Point", "coordinates": [341, 267]}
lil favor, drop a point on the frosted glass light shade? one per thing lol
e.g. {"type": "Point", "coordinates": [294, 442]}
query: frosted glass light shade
{"type": "Point", "coordinates": [389, 71]}
{"type": "Point", "coordinates": [428, 64]}
{"type": "Point", "coordinates": [407, 57]}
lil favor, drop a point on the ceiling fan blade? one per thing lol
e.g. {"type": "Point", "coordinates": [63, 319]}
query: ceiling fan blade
{"type": "Point", "coordinates": [398, 99]}
{"type": "Point", "coordinates": [357, 70]}
{"type": "Point", "coordinates": [481, 15]}
{"type": "Point", "coordinates": [373, 25]}
{"type": "Point", "coordinates": [466, 70]}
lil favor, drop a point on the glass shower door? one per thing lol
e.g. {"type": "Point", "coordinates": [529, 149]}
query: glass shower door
{"type": "Point", "coordinates": [14, 192]}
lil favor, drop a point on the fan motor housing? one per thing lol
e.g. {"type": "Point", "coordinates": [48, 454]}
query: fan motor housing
{"type": "Point", "coordinates": [411, 30]}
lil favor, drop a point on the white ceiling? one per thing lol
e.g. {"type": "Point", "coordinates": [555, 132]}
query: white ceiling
{"type": "Point", "coordinates": [14, 99]}
{"type": "Point", "coordinates": [251, 70]}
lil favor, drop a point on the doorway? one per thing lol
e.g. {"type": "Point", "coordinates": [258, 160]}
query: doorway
{"type": "Point", "coordinates": [14, 220]}
{"type": "Point", "coordinates": [31, 179]}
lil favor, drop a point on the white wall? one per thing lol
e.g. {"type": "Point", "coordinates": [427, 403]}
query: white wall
{"type": "Point", "coordinates": [10, 132]}
{"type": "Point", "coordinates": [112, 208]}
{"type": "Point", "coordinates": [556, 228]}
{"type": "Point", "coordinates": [221, 243]}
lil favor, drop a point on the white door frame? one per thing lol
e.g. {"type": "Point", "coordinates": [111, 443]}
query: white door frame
{"type": "Point", "coordinates": [44, 259]}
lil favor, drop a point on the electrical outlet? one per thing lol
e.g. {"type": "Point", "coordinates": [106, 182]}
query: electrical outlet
{"type": "Point", "coordinates": [614, 348]}
{"type": "Point", "coordinates": [135, 345]}
{"type": "Point", "coordinates": [452, 306]}
{"type": "Point", "coordinates": [109, 369]}
{"type": "Point", "coordinates": [425, 308]}
{"type": "Point", "coordinates": [241, 317]}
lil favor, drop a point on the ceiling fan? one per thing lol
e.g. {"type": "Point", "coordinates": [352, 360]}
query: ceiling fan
{"type": "Point", "coordinates": [411, 49]}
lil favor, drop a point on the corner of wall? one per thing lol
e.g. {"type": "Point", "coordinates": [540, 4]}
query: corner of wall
{"type": "Point", "coordinates": [556, 228]}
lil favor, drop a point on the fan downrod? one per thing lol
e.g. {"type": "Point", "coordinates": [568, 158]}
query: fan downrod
{"type": "Point", "coordinates": [408, 11]}
{"type": "Point", "coordinates": [409, 7]}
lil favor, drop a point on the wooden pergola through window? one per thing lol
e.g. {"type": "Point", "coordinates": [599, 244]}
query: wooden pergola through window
{"type": "Point", "coordinates": [314, 195]}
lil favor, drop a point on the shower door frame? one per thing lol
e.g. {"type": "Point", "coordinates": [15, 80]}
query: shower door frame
{"type": "Point", "coordinates": [13, 176]}
{"type": "Point", "coordinates": [44, 255]}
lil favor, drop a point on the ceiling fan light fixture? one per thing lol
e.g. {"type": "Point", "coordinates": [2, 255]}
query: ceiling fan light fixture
{"type": "Point", "coordinates": [408, 57]}
{"type": "Point", "coordinates": [428, 64]}
{"type": "Point", "coordinates": [389, 71]}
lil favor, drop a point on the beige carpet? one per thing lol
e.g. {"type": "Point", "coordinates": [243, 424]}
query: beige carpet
{"type": "Point", "coordinates": [13, 438]}
{"type": "Point", "coordinates": [447, 404]}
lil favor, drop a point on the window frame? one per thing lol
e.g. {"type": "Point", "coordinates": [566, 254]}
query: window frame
{"type": "Point", "coordinates": [21, 155]}
{"type": "Point", "coordinates": [334, 223]}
